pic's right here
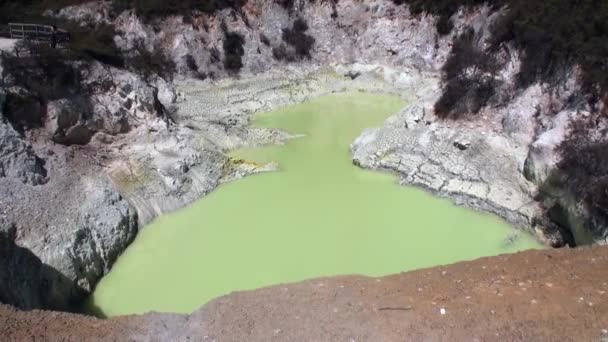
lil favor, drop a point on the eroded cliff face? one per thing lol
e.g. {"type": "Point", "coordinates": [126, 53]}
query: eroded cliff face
{"type": "Point", "coordinates": [370, 32]}
{"type": "Point", "coordinates": [106, 161]}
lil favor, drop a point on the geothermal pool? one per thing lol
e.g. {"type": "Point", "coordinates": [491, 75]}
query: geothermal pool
{"type": "Point", "coordinates": [318, 216]}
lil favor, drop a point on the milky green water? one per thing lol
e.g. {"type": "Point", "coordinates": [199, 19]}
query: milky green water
{"type": "Point", "coordinates": [319, 216]}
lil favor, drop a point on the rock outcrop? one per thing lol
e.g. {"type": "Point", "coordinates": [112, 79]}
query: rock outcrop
{"type": "Point", "coordinates": [74, 226]}
{"type": "Point", "coordinates": [20, 272]}
{"type": "Point", "coordinates": [116, 101]}
{"type": "Point", "coordinates": [474, 168]}
{"type": "Point", "coordinates": [18, 160]}
{"type": "Point", "coordinates": [63, 223]}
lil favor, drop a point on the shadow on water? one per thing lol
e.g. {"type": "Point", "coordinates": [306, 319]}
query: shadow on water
{"type": "Point", "coordinates": [91, 309]}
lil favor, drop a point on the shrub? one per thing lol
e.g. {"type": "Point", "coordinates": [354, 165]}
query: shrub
{"type": "Point", "coordinates": [31, 10]}
{"type": "Point", "coordinates": [214, 55]}
{"type": "Point", "coordinates": [151, 9]}
{"type": "Point", "coordinates": [469, 77]}
{"type": "Point", "coordinates": [233, 51]}
{"type": "Point", "coordinates": [444, 9]}
{"type": "Point", "coordinates": [287, 4]}
{"type": "Point", "coordinates": [282, 53]}
{"type": "Point", "coordinates": [299, 44]}
{"type": "Point", "coordinates": [95, 43]}
{"type": "Point", "coordinates": [45, 74]}
{"type": "Point", "coordinates": [150, 63]}
{"type": "Point", "coordinates": [297, 37]}
{"type": "Point", "coordinates": [445, 25]}
{"type": "Point", "coordinates": [553, 34]}
{"type": "Point", "coordinates": [191, 63]}
{"type": "Point", "coordinates": [23, 111]}
{"type": "Point", "coordinates": [48, 73]}
{"type": "Point", "coordinates": [584, 168]}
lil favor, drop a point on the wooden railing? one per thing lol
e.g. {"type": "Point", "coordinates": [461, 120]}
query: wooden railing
{"type": "Point", "coordinates": [37, 32]}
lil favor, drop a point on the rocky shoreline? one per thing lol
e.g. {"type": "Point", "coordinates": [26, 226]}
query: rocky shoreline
{"type": "Point", "coordinates": [473, 165]}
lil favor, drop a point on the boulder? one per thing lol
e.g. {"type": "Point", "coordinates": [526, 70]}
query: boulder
{"type": "Point", "coordinates": [18, 160]}
{"type": "Point", "coordinates": [65, 123]}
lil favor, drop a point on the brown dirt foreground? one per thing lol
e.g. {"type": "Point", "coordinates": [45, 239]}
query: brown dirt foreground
{"type": "Point", "coordinates": [550, 295]}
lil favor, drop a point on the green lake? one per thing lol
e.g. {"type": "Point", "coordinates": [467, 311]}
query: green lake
{"type": "Point", "coordinates": [319, 216]}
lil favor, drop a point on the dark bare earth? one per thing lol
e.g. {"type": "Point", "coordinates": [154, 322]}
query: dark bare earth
{"type": "Point", "coordinates": [551, 295]}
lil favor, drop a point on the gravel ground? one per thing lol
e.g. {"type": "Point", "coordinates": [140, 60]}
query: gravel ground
{"type": "Point", "coordinates": [548, 295]}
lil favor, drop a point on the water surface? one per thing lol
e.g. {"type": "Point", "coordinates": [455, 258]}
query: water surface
{"type": "Point", "coordinates": [319, 216]}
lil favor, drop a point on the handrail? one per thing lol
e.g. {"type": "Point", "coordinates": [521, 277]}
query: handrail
{"type": "Point", "coordinates": [38, 32]}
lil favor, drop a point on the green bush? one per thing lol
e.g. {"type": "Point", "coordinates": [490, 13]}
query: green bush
{"type": "Point", "coordinates": [233, 51]}
{"type": "Point", "coordinates": [299, 44]}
